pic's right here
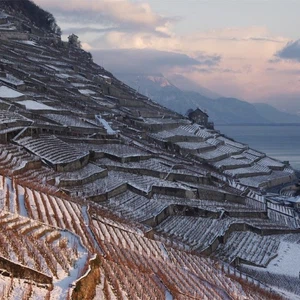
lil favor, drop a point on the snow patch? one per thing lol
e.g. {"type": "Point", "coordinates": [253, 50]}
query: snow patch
{"type": "Point", "coordinates": [33, 105]}
{"type": "Point", "coordinates": [87, 92]}
{"type": "Point", "coordinates": [6, 92]}
{"type": "Point", "coordinates": [105, 125]}
{"type": "Point", "coordinates": [31, 43]}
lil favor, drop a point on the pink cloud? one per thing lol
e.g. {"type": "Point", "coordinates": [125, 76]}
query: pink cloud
{"type": "Point", "coordinates": [246, 53]}
{"type": "Point", "coordinates": [114, 11]}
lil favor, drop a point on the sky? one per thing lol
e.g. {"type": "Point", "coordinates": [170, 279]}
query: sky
{"type": "Point", "coordinates": [249, 49]}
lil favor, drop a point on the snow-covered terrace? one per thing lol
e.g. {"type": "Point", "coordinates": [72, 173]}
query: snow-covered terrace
{"type": "Point", "coordinates": [63, 76]}
{"type": "Point", "coordinates": [167, 134]}
{"type": "Point", "coordinates": [213, 155]}
{"type": "Point", "coordinates": [248, 171]}
{"type": "Point", "coordinates": [153, 164]}
{"type": "Point", "coordinates": [104, 102]}
{"type": "Point", "coordinates": [52, 149]}
{"type": "Point", "coordinates": [29, 44]}
{"type": "Point", "coordinates": [3, 15]}
{"type": "Point", "coordinates": [265, 224]}
{"type": "Point", "coordinates": [249, 156]}
{"type": "Point", "coordinates": [164, 121]}
{"type": "Point", "coordinates": [201, 146]}
{"type": "Point", "coordinates": [80, 78]}
{"type": "Point", "coordinates": [10, 79]}
{"type": "Point", "coordinates": [8, 93]}
{"type": "Point", "coordinates": [8, 27]}
{"type": "Point", "coordinates": [203, 188]}
{"type": "Point", "coordinates": [198, 233]}
{"type": "Point", "coordinates": [98, 186]}
{"type": "Point", "coordinates": [87, 92]}
{"type": "Point", "coordinates": [6, 61]}
{"type": "Point", "coordinates": [149, 164]}
{"type": "Point", "coordinates": [214, 141]}
{"type": "Point", "coordinates": [65, 65]}
{"type": "Point", "coordinates": [255, 153]}
{"type": "Point", "coordinates": [34, 105]}
{"type": "Point", "coordinates": [78, 84]}
{"type": "Point", "coordinates": [104, 76]}
{"type": "Point", "coordinates": [250, 247]}
{"type": "Point", "coordinates": [135, 207]}
{"type": "Point", "coordinates": [145, 183]}
{"type": "Point", "coordinates": [228, 141]}
{"type": "Point", "coordinates": [264, 180]}
{"type": "Point", "coordinates": [282, 273]}
{"type": "Point", "coordinates": [271, 163]}
{"type": "Point", "coordinates": [100, 120]}
{"type": "Point", "coordinates": [59, 70]}
{"type": "Point", "coordinates": [232, 163]}
{"type": "Point", "coordinates": [118, 150]}
{"type": "Point", "coordinates": [10, 117]}
{"type": "Point", "coordinates": [229, 149]}
{"type": "Point", "coordinates": [69, 120]}
{"type": "Point", "coordinates": [84, 173]}
{"type": "Point", "coordinates": [198, 131]}
{"type": "Point", "coordinates": [209, 205]}
{"type": "Point", "coordinates": [39, 58]}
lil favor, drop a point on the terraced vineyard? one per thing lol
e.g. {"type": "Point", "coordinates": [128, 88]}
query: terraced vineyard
{"type": "Point", "coordinates": [104, 194]}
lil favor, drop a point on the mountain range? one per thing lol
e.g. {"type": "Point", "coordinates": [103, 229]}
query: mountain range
{"type": "Point", "coordinates": [180, 94]}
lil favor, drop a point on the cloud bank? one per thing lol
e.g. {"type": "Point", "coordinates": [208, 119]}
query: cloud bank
{"type": "Point", "coordinates": [111, 14]}
{"type": "Point", "coordinates": [145, 61]}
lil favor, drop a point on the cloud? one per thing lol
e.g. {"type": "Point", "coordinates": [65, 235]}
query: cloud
{"type": "Point", "coordinates": [205, 59]}
{"type": "Point", "coordinates": [231, 61]}
{"type": "Point", "coordinates": [203, 70]}
{"type": "Point", "coordinates": [264, 39]}
{"type": "Point", "coordinates": [147, 61]}
{"type": "Point", "coordinates": [291, 51]}
{"type": "Point", "coordinates": [214, 69]}
{"type": "Point", "coordinates": [86, 46]}
{"type": "Point", "coordinates": [286, 71]}
{"type": "Point", "coordinates": [116, 13]}
{"type": "Point", "coordinates": [274, 60]}
{"type": "Point", "coordinates": [93, 30]}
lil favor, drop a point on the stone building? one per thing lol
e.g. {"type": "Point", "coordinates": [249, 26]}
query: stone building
{"type": "Point", "coordinates": [200, 117]}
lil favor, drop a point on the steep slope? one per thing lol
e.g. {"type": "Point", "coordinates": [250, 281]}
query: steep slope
{"type": "Point", "coordinates": [100, 187]}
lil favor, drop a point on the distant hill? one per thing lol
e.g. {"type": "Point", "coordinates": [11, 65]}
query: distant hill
{"type": "Point", "coordinates": [186, 84]}
{"type": "Point", "coordinates": [221, 110]}
{"type": "Point", "coordinates": [289, 103]}
{"type": "Point", "coordinates": [274, 115]}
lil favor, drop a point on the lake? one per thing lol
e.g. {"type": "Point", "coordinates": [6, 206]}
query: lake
{"type": "Point", "coordinates": [278, 141]}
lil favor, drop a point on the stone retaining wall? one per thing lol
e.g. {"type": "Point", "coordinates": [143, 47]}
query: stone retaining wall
{"type": "Point", "coordinates": [82, 181]}
{"type": "Point", "coordinates": [19, 271]}
{"type": "Point", "coordinates": [13, 35]}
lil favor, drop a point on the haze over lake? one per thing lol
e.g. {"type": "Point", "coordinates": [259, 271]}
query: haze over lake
{"type": "Point", "coordinates": [277, 141]}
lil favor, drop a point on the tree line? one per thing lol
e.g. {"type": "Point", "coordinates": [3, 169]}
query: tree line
{"type": "Point", "coordinates": [37, 15]}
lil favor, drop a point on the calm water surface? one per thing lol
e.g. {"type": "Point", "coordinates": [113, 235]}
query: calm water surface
{"type": "Point", "coordinates": [280, 142]}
